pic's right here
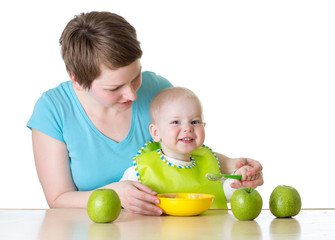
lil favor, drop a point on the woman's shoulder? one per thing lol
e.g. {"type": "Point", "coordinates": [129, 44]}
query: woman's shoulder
{"type": "Point", "coordinates": [54, 101]}
{"type": "Point", "coordinates": [154, 81]}
{"type": "Point", "coordinates": [61, 96]}
{"type": "Point", "coordinates": [48, 112]}
{"type": "Point", "coordinates": [63, 89]}
{"type": "Point", "coordinates": [151, 85]}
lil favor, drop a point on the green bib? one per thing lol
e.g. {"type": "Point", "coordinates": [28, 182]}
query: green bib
{"type": "Point", "coordinates": [163, 177]}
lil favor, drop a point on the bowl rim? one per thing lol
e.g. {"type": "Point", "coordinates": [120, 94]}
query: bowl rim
{"type": "Point", "coordinates": [205, 196]}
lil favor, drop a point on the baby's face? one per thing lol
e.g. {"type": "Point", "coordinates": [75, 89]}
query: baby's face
{"type": "Point", "coordinates": [180, 127]}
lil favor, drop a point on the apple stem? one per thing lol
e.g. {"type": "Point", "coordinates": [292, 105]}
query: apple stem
{"type": "Point", "coordinates": [249, 190]}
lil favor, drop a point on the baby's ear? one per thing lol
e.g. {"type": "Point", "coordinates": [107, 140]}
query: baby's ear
{"type": "Point", "coordinates": [154, 133]}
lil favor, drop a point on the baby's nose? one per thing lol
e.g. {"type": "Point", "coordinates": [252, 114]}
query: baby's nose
{"type": "Point", "coordinates": [188, 128]}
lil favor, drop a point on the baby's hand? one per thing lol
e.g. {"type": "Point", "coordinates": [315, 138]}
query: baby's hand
{"type": "Point", "coordinates": [246, 177]}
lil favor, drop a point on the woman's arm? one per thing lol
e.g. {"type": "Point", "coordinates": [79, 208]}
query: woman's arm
{"type": "Point", "coordinates": [252, 177]}
{"type": "Point", "coordinates": [53, 169]}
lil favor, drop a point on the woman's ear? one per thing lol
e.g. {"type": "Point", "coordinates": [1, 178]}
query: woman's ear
{"type": "Point", "coordinates": [75, 83]}
{"type": "Point", "coordinates": [154, 133]}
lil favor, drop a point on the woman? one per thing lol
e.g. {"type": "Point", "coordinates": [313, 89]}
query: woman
{"type": "Point", "coordinates": [86, 131]}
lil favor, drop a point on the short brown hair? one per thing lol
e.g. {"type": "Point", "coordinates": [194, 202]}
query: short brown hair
{"type": "Point", "coordinates": [95, 38]}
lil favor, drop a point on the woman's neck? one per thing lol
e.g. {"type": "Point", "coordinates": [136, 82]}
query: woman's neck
{"type": "Point", "coordinates": [110, 122]}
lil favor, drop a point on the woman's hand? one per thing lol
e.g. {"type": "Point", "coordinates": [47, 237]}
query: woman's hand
{"type": "Point", "coordinates": [251, 171]}
{"type": "Point", "coordinates": [137, 198]}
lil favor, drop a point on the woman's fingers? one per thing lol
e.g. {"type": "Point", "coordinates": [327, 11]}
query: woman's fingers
{"type": "Point", "coordinates": [144, 208]}
{"type": "Point", "coordinates": [256, 167]}
{"type": "Point", "coordinates": [253, 181]}
{"type": "Point", "coordinates": [140, 199]}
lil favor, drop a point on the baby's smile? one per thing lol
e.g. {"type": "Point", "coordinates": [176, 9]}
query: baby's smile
{"type": "Point", "coordinates": [186, 140]}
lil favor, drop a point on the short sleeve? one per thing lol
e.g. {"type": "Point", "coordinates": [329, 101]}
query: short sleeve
{"type": "Point", "coordinates": [46, 118]}
{"type": "Point", "coordinates": [130, 174]}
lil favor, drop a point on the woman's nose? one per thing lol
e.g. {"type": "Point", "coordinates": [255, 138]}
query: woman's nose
{"type": "Point", "coordinates": [130, 93]}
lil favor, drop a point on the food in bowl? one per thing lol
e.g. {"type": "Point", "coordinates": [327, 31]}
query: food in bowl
{"type": "Point", "coordinates": [184, 204]}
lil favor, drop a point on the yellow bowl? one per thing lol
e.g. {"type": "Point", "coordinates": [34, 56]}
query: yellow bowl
{"type": "Point", "coordinates": [185, 204]}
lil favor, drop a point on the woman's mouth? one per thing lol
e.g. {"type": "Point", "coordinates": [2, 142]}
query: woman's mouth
{"type": "Point", "coordinates": [126, 103]}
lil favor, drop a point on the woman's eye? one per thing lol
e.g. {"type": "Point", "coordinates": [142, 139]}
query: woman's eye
{"type": "Point", "coordinates": [113, 90]}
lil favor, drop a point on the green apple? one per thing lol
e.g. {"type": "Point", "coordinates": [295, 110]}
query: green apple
{"type": "Point", "coordinates": [103, 206]}
{"type": "Point", "coordinates": [246, 203]}
{"type": "Point", "coordinates": [285, 201]}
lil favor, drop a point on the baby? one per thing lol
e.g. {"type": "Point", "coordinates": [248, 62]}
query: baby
{"type": "Point", "coordinates": [176, 160]}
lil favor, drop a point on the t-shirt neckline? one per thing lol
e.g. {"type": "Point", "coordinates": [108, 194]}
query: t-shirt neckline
{"type": "Point", "coordinates": [94, 129]}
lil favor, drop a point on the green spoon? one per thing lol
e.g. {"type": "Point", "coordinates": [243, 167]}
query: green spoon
{"type": "Point", "coordinates": [217, 176]}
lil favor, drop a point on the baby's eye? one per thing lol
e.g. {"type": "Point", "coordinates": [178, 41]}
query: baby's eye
{"type": "Point", "coordinates": [175, 122]}
{"type": "Point", "coordinates": [195, 122]}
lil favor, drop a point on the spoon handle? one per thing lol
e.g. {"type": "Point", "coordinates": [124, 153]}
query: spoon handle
{"type": "Point", "coordinates": [217, 176]}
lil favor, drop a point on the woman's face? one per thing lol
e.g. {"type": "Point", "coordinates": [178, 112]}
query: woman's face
{"type": "Point", "coordinates": [117, 88]}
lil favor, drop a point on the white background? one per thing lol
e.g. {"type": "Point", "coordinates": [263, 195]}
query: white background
{"type": "Point", "coordinates": [264, 71]}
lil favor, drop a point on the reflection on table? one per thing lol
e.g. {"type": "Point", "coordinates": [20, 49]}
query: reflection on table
{"type": "Point", "coordinates": [214, 224]}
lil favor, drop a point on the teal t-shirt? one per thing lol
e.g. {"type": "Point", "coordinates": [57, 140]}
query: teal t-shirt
{"type": "Point", "coordinates": [95, 159]}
